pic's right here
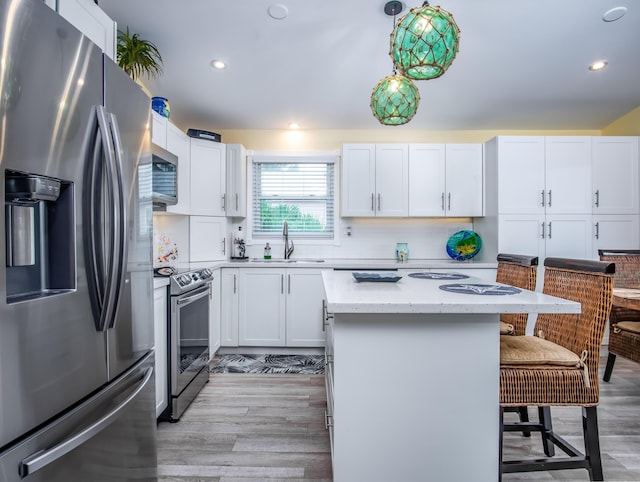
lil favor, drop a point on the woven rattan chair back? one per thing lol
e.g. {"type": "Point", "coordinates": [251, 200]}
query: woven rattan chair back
{"type": "Point", "coordinates": [519, 271]}
{"type": "Point", "coordinates": [581, 333]}
{"type": "Point", "coordinates": [627, 276]}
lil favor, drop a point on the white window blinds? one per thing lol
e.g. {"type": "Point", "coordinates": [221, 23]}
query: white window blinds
{"type": "Point", "coordinates": [300, 192]}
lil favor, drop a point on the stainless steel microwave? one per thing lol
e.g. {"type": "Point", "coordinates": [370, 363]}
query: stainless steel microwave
{"type": "Point", "coordinates": [164, 178]}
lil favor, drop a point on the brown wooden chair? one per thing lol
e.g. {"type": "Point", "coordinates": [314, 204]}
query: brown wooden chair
{"type": "Point", "coordinates": [559, 365]}
{"type": "Point", "coordinates": [520, 271]}
{"type": "Point", "coordinates": [624, 324]}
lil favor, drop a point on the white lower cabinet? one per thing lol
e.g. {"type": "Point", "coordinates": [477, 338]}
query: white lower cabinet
{"type": "Point", "coordinates": [271, 307]}
{"type": "Point", "coordinates": [229, 307]}
{"type": "Point", "coordinates": [613, 231]}
{"type": "Point", "coordinates": [261, 315]}
{"type": "Point", "coordinates": [160, 334]}
{"type": "Point", "coordinates": [215, 313]}
{"type": "Point", "coordinates": [305, 292]}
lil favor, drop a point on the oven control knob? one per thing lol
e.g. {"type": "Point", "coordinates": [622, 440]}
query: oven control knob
{"type": "Point", "coordinates": [184, 280]}
{"type": "Point", "coordinates": [205, 273]}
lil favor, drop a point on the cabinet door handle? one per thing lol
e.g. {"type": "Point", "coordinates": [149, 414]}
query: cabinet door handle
{"type": "Point", "coordinates": [325, 315]}
{"type": "Point", "coordinates": [549, 198]}
{"type": "Point", "coordinates": [543, 231]}
{"type": "Point", "coordinates": [542, 194]}
{"type": "Point", "coordinates": [442, 198]}
{"type": "Point", "coordinates": [597, 230]}
{"type": "Point", "coordinates": [236, 201]}
{"type": "Point", "coordinates": [282, 284]}
{"type": "Point", "coordinates": [597, 198]}
{"type": "Point", "coordinates": [234, 284]}
{"type": "Point", "coordinates": [378, 201]}
{"type": "Point", "coordinates": [449, 202]}
{"type": "Point", "coordinates": [549, 230]}
{"type": "Point", "coordinates": [289, 284]}
{"type": "Point", "coordinates": [224, 245]}
{"type": "Point", "coordinates": [328, 420]}
{"type": "Point", "coordinates": [373, 208]}
{"type": "Point", "coordinates": [224, 201]}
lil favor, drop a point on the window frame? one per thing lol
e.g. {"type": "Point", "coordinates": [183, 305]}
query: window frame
{"type": "Point", "coordinates": [297, 158]}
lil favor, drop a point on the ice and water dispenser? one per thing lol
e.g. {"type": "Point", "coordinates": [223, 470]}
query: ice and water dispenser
{"type": "Point", "coordinates": [39, 236]}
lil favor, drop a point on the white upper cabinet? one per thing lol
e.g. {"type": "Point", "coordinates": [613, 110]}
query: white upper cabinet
{"type": "Point", "coordinates": [464, 180]}
{"type": "Point", "coordinates": [207, 238]}
{"type": "Point", "coordinates": [544, 175]}
{"type": "Point", "coordinates": [159, 129]}
{"type": "Point", "coordinates": [520, 172]}
{"type": "Point", "coordinates": [91, 20]}
{"type": "Point", "coordinates": [427, 174]}
{"type": "Point", "coordinates": [445, 180]}
{"type": "Point", "coordinates": [236, 181]}
{"type": "Point", "coordinates": [178, 144]}
{"type": "Point", "coordinates": [208, 178]}
{"type": "Point", "coordinates": [392, 179]}
{"type": "Point", "coordinates": [568, 175]}
{"type": "Point", "coordinates": [375, 180]}
{"type": "Point", "coordinates": [615, 175]}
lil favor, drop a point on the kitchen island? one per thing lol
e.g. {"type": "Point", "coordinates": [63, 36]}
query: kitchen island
{"type": "Point", "coordinates": [413, 377]}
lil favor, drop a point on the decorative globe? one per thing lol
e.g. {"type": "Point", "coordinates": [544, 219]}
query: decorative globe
{"type": "Point", "coordinates": [424, 42]}
{"type": "Point", "coordinates": [394, 100]}
{"type": "Point", "coordinates": [464, 245]}
{"type": "Point", "coordinates": [161, 106]}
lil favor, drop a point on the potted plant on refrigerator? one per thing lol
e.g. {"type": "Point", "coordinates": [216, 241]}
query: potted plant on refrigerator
{"type": "Point", "coordinates": [137, 56]}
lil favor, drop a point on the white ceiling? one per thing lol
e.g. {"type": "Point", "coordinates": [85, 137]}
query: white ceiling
{"type": "Point", "coordinates": [522, 64]}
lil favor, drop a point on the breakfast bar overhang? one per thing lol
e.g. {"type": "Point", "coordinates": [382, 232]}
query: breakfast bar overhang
{"type": "Point", "coordinates": [413, 377]}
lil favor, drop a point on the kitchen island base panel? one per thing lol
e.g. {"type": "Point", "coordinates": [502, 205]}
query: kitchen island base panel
{"type": "Point", "coordinates": [406, 387]}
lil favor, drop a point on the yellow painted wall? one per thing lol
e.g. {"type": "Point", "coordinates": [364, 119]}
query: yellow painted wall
{"type": "Point", "coordinates": [330, 140]}
{"type": "Point", "coordinates": [627, 125]}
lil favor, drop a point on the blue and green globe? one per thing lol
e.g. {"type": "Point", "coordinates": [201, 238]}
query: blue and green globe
{"type": "Point", "coordinates": [464, 245]}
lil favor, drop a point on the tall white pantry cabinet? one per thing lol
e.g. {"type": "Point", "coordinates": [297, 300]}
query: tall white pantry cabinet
{"type": "Point", "coordinates": [562, 196]}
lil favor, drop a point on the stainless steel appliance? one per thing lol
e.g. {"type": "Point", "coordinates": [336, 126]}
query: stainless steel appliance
{"type": "Point", "coordinates": [76, 355]}
{"type": "Point", "coordinates": [188, 353]}
{"type": "Point", "coordinates": [164, 178]}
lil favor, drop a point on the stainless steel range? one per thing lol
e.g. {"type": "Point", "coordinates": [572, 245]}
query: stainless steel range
{"type": "Point", "coordinates": [188, 353]}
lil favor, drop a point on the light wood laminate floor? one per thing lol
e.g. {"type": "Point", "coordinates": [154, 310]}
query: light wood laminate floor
{"type": "Point", "coordinates": [244, 427]}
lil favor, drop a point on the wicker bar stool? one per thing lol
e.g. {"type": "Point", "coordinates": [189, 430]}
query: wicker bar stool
{"type": "Point", "coordinates": [624, 324]}
{"type": "Point", "coordinates": [519, 271]}
{"type": "Point", "coordinates": [559, 365]}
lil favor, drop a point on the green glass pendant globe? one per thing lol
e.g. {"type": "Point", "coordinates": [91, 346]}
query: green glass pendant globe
{"type": "Point", "coordinates": [394, 100]}
{"type": "Point", "coordinates": [424, 42]}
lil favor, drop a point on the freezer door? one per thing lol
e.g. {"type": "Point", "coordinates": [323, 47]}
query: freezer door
{"type": "Point", "coordinates": [109, 438]}
{"type": "Point", "coordinates": [51, 79]}
{"type": "Point", "coordinates": [130, 335]}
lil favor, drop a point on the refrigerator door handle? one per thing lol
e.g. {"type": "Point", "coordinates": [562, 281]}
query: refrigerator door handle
{"type": "Point", "coordinates": [41, 459]}
{"type": "Point", "coordinates": [120, 225]}
{"type": "Point", "coordinates": [100, 267]}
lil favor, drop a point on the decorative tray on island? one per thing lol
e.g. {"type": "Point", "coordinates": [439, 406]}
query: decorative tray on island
{"type": "Point", "coordinates": [377, 277]}
{"type": "Point", "coordinates": [480, 289]}
{"type": "Point", "coordinates": [438, 276]}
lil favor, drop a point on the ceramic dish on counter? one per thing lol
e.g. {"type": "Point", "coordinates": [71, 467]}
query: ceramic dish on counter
{"type": "Point", "coordinates": [376, 277]}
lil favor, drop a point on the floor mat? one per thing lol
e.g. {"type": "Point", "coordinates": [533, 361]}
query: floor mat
{"type": "Point", "coordinates": [307, 364]}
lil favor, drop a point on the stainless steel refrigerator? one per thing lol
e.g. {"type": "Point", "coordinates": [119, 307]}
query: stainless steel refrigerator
{"type": "Point", "coordinates": [77, 385]}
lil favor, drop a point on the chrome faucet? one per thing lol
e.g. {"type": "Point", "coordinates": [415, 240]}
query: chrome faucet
{"type": "Point", "coordinates": [287, 250]}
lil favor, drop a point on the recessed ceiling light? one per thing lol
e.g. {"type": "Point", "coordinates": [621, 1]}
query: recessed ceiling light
{"type": "Point", "coordinates": [293, 125]}
{"type": "Point", "coordinates": [278, 11]}
{"type": "Point", "coordinates": [614, 14]}
{"type": "Point", "coordinates": [598, 65]}
{"type": "Point", "coordinates": [218, 64]}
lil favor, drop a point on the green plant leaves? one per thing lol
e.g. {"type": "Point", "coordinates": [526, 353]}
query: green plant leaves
{"type": "Point", "coordinates": [137, 56]}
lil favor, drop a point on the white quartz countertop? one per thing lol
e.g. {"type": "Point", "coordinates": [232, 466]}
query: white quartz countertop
{"type": "Point", "coordinates": [360, 263]}
{"type": "Point", "coordinates": [415, 295]}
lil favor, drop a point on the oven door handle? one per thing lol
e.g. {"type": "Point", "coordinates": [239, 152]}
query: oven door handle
{"type": "Point", "coordinates": [195, 295]}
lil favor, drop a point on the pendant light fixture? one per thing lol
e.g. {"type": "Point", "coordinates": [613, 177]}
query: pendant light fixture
{"type": "Point", "coordinates": [424, 42]}
{"type": "Point", "coordinates": [394, 100]}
